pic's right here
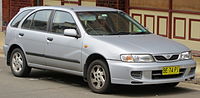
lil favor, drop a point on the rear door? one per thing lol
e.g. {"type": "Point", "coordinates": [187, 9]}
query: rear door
{"type": "Point", "coordinates": [32, 35]}
{"type": "Point", "coordinates": [63, 51]}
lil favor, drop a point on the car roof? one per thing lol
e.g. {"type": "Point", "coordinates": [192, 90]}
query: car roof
{"type": "Point", "coordinates": [73, 8]}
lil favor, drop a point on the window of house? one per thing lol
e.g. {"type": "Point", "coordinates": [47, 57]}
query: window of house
{"type": "Point", "coordinates": [38, 2]}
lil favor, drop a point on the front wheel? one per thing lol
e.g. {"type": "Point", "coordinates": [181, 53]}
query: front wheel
{"type": "Point", "coordinates": [18, 63]}
{"type": "Point", "coordinates": [98, 76]}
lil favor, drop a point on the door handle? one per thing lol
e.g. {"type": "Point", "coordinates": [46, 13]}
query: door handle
{"type": "Point", "coordinates": [49, 38]}
{"type": "Point", "coordinates": [21, 34]}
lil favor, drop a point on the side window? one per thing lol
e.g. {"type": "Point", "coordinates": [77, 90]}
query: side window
{"type": "Point", "coordinates": [40, 20]}
{"type": "Point", "coordinates": [18, 19]}
{"type": "Point", "coordinates": [37, 21]}
{"type": "Point", "coordinates": [62, 21]}
{"type": "Point", "coordinates": [27, 22]}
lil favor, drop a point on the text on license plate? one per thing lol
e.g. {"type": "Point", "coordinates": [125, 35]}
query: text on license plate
{"type": "Point", "coordinates": [171, 70]}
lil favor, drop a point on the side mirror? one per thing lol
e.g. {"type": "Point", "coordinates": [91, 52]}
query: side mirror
{"type": "Point", "coordinates": [70, 32]}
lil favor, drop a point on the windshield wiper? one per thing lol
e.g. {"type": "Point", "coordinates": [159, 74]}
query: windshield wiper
{"type": "Point", "coordinates": [121, 33]}
{"type": "Point", "coordinates": [135, 33]}
{"type": "Point", "coordinates": [129, 33]}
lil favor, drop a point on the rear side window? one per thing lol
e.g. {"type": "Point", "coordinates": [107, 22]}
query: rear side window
{"type": "Point", "coordinates": [37, 21]}
{"type": "Point", "coordinates": [27, 22]}
{"type": "Point", "coordinates": [40, 20]}
{"type": "Point", "coordinates": [18, 19]}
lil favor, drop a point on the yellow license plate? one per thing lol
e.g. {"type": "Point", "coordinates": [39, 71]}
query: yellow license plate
{"type": "Point", "coordinates": [171, 70]}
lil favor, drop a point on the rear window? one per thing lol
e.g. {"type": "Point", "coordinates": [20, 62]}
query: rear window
{"type": "Point", "coordinates": [18, 19]}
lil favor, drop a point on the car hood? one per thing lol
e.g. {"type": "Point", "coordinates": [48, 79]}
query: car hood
{"type": "Point", "coordinates": [147, 43]}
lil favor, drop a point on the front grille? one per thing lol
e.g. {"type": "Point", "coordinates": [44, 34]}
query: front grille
{"type": "Point", "coordinates": [157, 74]}
{"type": "Point", "coordinates": [163, 58]}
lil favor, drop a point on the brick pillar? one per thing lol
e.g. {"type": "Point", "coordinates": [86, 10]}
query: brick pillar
{"type": "Point", "coordinates": [0, 15]}
{"type": "Point", "coordinates": [11, 7]}
{"type": "Point", "coordinates": [5, 12]}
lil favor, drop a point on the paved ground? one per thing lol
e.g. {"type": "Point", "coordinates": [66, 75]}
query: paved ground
{"type": "Point", "coordinates": [1, 43]}
{"type": "Point", "coordinates": [1, 38]}
{"type": "Point", "coordinates": [47, 84]}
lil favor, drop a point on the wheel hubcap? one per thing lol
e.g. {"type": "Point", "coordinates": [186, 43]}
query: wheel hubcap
{"type": "Point", "coordinates": [17, 62]}
{"type": "Point", "coordinates": [97, 76]}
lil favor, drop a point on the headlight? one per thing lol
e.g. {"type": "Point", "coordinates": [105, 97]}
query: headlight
{"type": "Point", "coordinates": [137, 58]}
{"type": "Point", "coordinates": [186, 55]}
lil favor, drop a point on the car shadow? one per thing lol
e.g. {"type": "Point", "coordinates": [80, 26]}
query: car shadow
{"type": "Point", "coordinates": [121, 90]}
{"type": "Point", "coordinates": [149, 91]}
{"type": "Point", "coordinates": [57, 77]}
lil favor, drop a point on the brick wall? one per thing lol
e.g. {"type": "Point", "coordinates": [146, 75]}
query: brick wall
{"type": "Point", "coordinates": [11, 7]}
{"type": "Point", "coordinates": [5, 11]}
{"type": "Point", "coordinates": [0, 15]}
{"type": "Point", "coordinates": [15, 5]}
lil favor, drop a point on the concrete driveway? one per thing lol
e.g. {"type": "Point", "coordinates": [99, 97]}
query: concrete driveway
{"type": "Point", "coordinates": [48, 84]}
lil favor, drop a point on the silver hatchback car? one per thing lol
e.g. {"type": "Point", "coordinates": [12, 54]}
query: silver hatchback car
{"type": "Point", "coordinates": [103, 45]}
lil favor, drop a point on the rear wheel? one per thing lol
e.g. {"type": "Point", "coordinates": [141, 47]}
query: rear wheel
{"type": "Point", "coordinates": [18, 63]}
{"type": "Point", "coordinates": [98, 76]}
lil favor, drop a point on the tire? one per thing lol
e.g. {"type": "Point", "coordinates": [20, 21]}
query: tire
{"type": "Point", "coordinates": [98, 76]}
{"type": "Point", "coordinates": [18, 63]}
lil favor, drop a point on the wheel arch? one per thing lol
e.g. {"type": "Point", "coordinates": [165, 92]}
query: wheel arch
{"type": "Point", "coordinates": [12, 47]}
{"type": "Point", "coordinates": [91, 58]}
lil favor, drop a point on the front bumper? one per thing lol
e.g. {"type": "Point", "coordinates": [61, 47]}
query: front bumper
{"type": "Point", "coordinates": [5, 49]}
{"type": "Point", "coordinates": [120, 72]}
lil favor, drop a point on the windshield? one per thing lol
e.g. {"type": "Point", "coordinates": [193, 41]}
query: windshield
{"type": "Point", "coordinates": [110, 23]}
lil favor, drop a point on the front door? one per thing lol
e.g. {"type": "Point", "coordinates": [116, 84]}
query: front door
{"type": "Point", "coordinates": [63, 51]}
